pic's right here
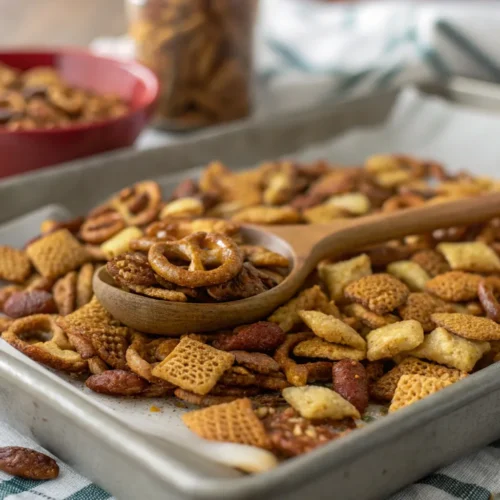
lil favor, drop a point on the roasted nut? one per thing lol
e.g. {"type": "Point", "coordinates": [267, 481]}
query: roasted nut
{"type": "Point", "coordinates": [22, 304]}
{"type": "Point", "coordinates": [28, 464]}
{"type": "Point", "coordinates": [117, 383]}
{"type": "Point", "coordinates": [261, 337]}
{"type": "Point", "coordinates": [350, 380]}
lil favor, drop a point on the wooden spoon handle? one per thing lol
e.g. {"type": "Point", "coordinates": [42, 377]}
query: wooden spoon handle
{"type": "Point", "coordinates": [383, 227]}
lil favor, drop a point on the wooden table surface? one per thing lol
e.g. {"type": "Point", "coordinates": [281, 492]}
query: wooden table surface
{"type": "Point", "coordinates": [59, 22]}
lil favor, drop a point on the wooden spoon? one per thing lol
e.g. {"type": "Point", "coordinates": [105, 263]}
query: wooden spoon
{"type": "Point", "coordinates": [305, 246]}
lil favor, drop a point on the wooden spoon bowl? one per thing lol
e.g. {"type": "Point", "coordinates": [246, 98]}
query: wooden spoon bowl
{"type": "Point", "coordinates": [305, 246]}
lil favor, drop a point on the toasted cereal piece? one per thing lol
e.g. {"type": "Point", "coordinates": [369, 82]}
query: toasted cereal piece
{"type": "Point", "coordinates": [84, 290]}
{"type": "Point", "coordinates": [390, 340]}
{"type": "Point", "coordinates": [337, 276]}
{"type": "Point", "coordinates": [120, 242]}
{"type": "Point", "coordinates": [332, 329]}
{"type": "Point", "coordinates": [262, 257]}
{"type": "Point", "coordinates": [316, 403]}
{"type": "Point", "coordinates": [57, 254]}
{"type": "Point", "coordinates": [322, 213]}
{"type": "Point", "coordinates": [410, 273]}
{"type": "Point", "coordinates": [14, 264]}
{"type": "Point", "coordinates": [431, 261]}
{"type": "Point", "coordinates": [451, 350]}
{"type": "Point", "coordinates": [183, 207]}
{"type": "Point", "coordinates": [287, 316]}
{"type": "Point", "coordinates": [368, 318]}
{"type": "Point", "coordinates": [64, 293]}
{"type": "Point", "coordinates": [454, 286]}
{"type": "Point", "coordinates": [354, 203]}
{"type": "Point", "coordinates": [194, 366]}
{"type": "Point", "coordinates": [111, 344]}
{"type": "Point", "coordinates": [383, 389]}
{"type": "Point", "coordinates": [381, 163]}
{"type": "Point", "coordinates": [392, 178]}
{"type": "Point", "coordinates": [319, 348]}
{"type": "Point", "coordinates": [419, 306]}
{"type": "Point", "coordinates": [381, 293]}
{"type": "Point", "coordinates": [412, 388]}
{"type": "Point", "coordinates": [41, 339]}
{"type": "Point", "coordinates": [263, 214]}
{"type": "Point", "coordinates": [472, 256]}
{"type": "Point", "coordinates": [468, 326]}
{"type": "Point", "coordinates": [234, 422]}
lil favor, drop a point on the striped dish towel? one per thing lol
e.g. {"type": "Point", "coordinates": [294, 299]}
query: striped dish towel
{"type": "Point", "coordinates": [309, 53]}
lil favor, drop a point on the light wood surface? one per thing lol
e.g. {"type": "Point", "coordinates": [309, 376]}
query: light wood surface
{"type": "Point", "coordinates": [306, 245]}
{"type": "Point", "coordinates": [59, 22]}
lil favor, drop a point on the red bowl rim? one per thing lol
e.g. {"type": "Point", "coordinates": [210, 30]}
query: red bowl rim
{"type": "Point", "coordinates": [138, 70]}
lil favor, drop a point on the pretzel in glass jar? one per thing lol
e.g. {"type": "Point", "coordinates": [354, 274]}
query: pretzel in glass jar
{"type": "Point", "coordinates": [213, 259]}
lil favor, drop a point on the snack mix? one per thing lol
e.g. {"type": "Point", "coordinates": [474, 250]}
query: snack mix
{"type": "Point", "coordinates": [371, 332]}
{"type": "Point", "coordinates": [39, 98]}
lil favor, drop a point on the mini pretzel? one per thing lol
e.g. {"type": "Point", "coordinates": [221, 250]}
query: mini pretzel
{"type": "Point", "coordinates": [102, 226]}
{"type": "Point", "coordinates": [295, 374]}
{"type": "Point", "coordinates": [201, 250]}
{"type": "Point", "coordinates": [138, 204]}
{"type": "Point", "coordinates": [40, 338]}
{"type": "Point", "coordinates": [487, 290]}
{"type": "Point", "coordinates": [402, 201]}
{"type": "Point", "coordinates": [12, 104]}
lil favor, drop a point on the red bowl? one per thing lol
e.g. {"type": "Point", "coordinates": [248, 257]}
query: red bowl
{"type": "Point", "coordinates": [25, 150]}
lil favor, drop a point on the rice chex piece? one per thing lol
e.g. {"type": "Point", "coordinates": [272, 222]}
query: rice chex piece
{"type": "Point", "coordinates": [389, 340]}
{"type": "Point", "coordinates": [451, 350]}
{"type": "Point", "coordinates": [473, 256]}
{"type": "Point", "coordinates": [194, 366]}
{"type": "Point", "coordinates": [412, 388]}
{"type": "Point", "coordinates": [316, 403]}
{"type": "Point", "coordinates": [14, 264]}
{"type": "Point", "coordinates": [332, 329]}
{"type": "Point", "coordinates": [431, 261]}
{"type": "Point", "coordinates": [319, 348]}
{"type": "Point", "coordinates": [234, 422]}
{"type": "Point", "coordinates": [57, 253]}
{"type": "Point", "coordinates": [336, 276]}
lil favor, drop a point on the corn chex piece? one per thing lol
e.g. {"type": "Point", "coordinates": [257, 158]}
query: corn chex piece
{"type": "Point", "coordinates": [410, 273]}
{"type": "Point", "coordinates": [468, 326]}
{"type": "Point", "coordinates": [57, 253]}
{"type": "Point", "coordinates": [194, 366]}
{"type": "Point", "coordinates": [119, 243]}
{"type": "Point", "coordinates": [234, 422]}
{"type": "Point", "coordinates": [332, 329]}
{"type": "Point", "coordinates": [315, 403]}
{"type": "Point", "coordinates": [381, 163]}
{"type": "Point", "coordinates": [381, 293]}
{"type": "Point", "coordinates": [287, 316]}
{"type": "Point", "coordinates": [413, 388]}
{"type": "Point", "coordinates": [447, 349]}
{"type": "Point", "coordinates": [470, 256]}
{"type": "Point", "coordinates": [454, 286]}
{"type": "Point", "coordinates": [14, 264]}
{"type": "Point", "coordinates": [319, 348]}
{"type": "Point", "coordinates": [354, 203]}
{"type": "Point", "coordinates": [337, 276]}
{"type": "Point", "coordinates": [393, 339]}
{"type": "Point", "coordinates": [383, 389]}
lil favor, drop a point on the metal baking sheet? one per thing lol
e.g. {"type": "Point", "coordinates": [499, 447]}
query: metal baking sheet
{"type": "Point", "coordinates": [368, 464]}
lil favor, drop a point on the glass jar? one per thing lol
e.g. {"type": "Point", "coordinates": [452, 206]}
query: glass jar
{"type": "Point", "coordinates": [202, 52]}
